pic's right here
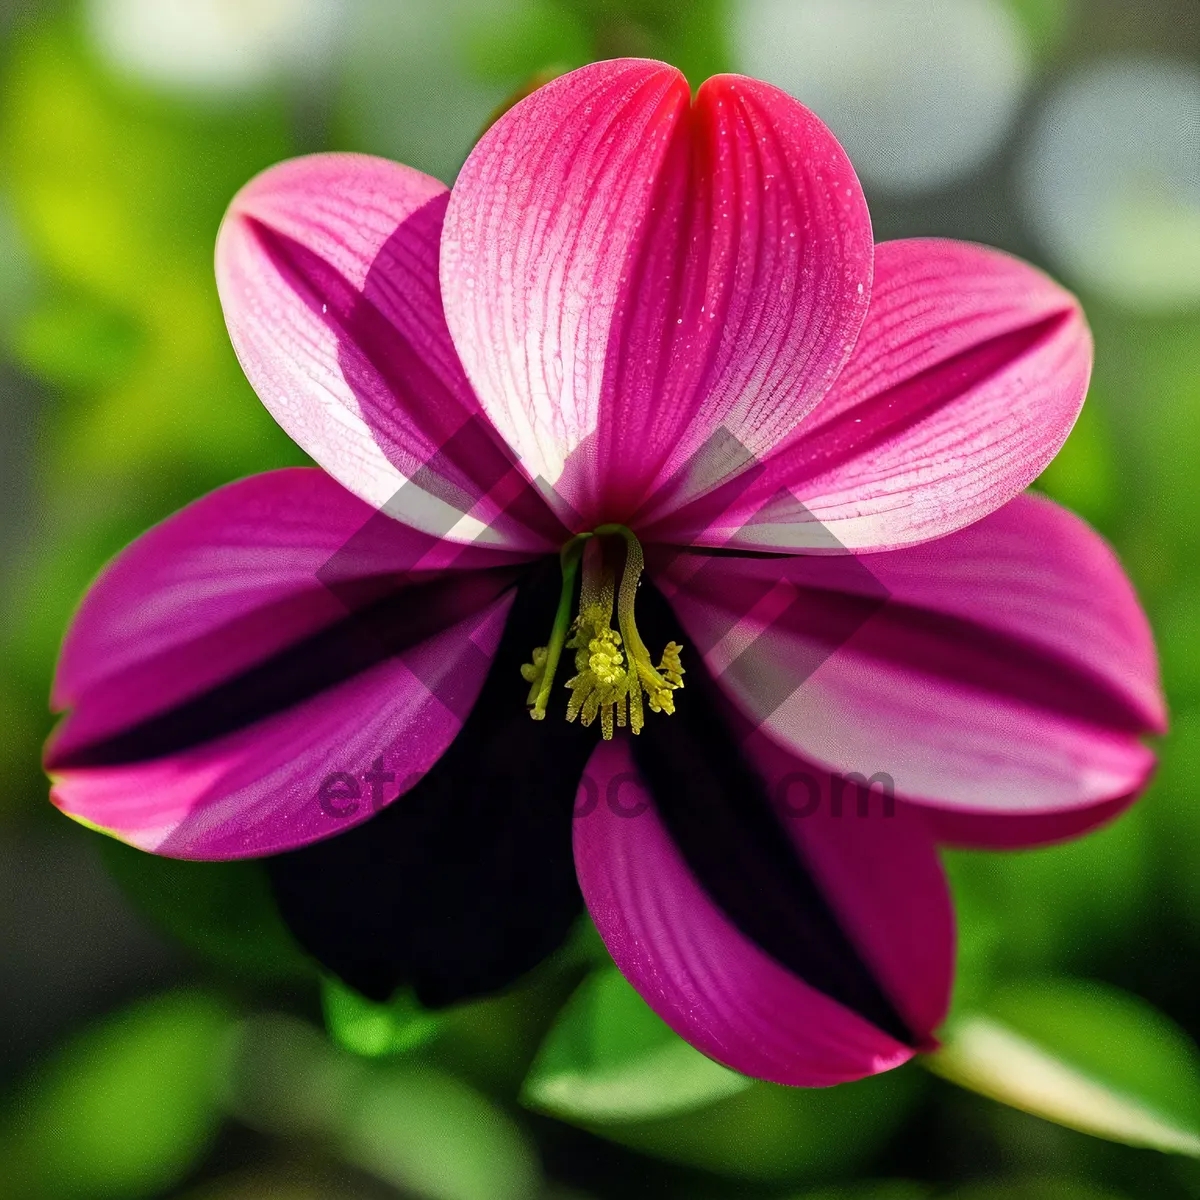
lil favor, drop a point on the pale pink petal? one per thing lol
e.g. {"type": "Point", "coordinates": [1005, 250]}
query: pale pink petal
{"type": "Point", "coordinates": [634, 280]}
{"type": "Point", "coordinates": [717, 988]}
{"type": "Point", "coordinates": [270, 634]}
{"type": "Point", "coordinates": [1006, 667]}
{"type": "Point", "coordinates": [967, 377]}
{"type": "Point", "coordinates": [327, 268]}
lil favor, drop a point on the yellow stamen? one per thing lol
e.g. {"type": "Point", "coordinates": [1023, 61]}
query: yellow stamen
{"type": "Point", "coordinates": [612, 670]}
{"type": "Point", "coordinates": [658, 683]}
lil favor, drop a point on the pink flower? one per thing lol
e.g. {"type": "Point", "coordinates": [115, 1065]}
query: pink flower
{"type": "Point", "coordinates": [640, 323]}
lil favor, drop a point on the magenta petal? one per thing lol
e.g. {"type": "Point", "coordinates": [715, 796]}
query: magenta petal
{"type": "Point", "coordinates": [629, 276]}
{"type": "Point", "coordinates": [1010, 668]}
{"type": "Point", "coordinates": [967, 377]}
{"type": "Point", "coordinates": [215, 677]}
{"type": "Point", "coordinates": [718, 989]}
{"type": "Point", "coordinates": [1014, 831]}
{"type": "Point", "coordinates": [327, 267]}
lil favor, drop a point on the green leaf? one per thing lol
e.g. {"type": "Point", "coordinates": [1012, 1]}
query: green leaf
{"type": "Point", "coordinates": [1032, 1189]}
{"type": "Point", "coordinates": [431, 1135]}
{"type": "Point", "coordinates": [222, 910]}
{"type": "Point", "coordinates": [609, 1057]}
{"type": "Point", "coordinates": [1173, 810]}
{"type": "Point", "coordinates": [1040, 910]}
{"type": "Point", "coordinates": [509, 42]}
{"type": "Point", "coordinates": [773, 1133]}
{"type": "Point", "coordinates": [71, 342]}
{"type": "Point", "coordinates": [1088, 1057]}
{"type": "Point", "coordinates": [1177, 628]}
{"type": "Point", "coordinates": [1082, 475]}
{"type": "Point", "coordinates": [124, 1109]}
{"type": "Point", "coordinates": [610, 1065]}
{"type": "Point", "coordinates": [883, 1189]}
{"type": "Point", "coordinates": [375, 1030]}
{"type": "Point", "coordinates": [1045, 22]}
{"type": "Point", "coordinates": [413, 1126]}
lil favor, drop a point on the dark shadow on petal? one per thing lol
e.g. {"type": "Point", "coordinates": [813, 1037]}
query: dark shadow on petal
{"type": "Point", "coordinates": [378, 360]}
{"type": "Point", "coordinates": [397, 619]}
{"type": "Point", "coordinates": [389, 375]}
{"type": "Point", "coordinates": [719, 813]}
{"type": "Point", "coordinates": [832, 597]}
{"type": "Point", "coordinates": [829, 443]}
{"type": "Point", "coordinates": [467, 881]}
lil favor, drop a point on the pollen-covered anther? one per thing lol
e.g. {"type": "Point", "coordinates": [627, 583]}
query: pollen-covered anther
{"type": "Point", "coordinates": [669, 678]}
{"type": "Point", "coordinates": [600, 686]}
{"type": "Point", "coordinates": [671, 666]}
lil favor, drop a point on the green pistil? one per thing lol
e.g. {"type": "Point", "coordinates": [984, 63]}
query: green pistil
{"type": "Point", "coordinates": [540, 672]}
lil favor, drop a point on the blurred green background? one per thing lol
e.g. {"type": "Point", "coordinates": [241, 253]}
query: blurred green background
{"type": "Point", "coordinates": [160, 1036]}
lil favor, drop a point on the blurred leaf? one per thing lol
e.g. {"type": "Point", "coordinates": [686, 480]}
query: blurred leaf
{"type": "Point", "coordinates": [884, 1189]}
{"type": "Point", "coordinates": [125, 1108]}
{"type": "Point", "coordinates": [1081, 476]}
{"type": "Point", "coordinates": [117, 190]}
{"type": "Point", "coordinates": [1032, 1189]}
{"type": "Point", "coordinates": [432, 1135]}
{"type": "Point", "coordinates": [73, 343]}
{"type": "Point", "coordinates": [493, 1041]}
{"type": "Point", "coordinates": [1091, 1058]}
{"type": "Point", "coordinates": [1045, 21]}
{"type": "Point", "coordinates": [1177, 627]}
{"type": "Point", "coordinates": [1172, 806]}
{"type": "Point", "coordinates": [375, 1030]}
{"type": "Point", "coordinates": [1056, 906]}
{"type": "Point", "coordinates": [286, 1183]}
{"type": "Point", "coordinates": [417, 1128]}
{"type": "Point", "coordinates": [689, 36]}
{"type": "Point", "coordinates": [118, 197]}
{"type": "Point", "coordinates": [610, 1057]}
{"type": "Point", "coordinates": [585, 946]}
{"type": "Point", "coordinates": [1147, 381]}
{"type": "Point", "coordinates": [287, 1080]}
{"type": "Point", "coordinates": [773, 1133]}
{"type": "Point", "coordinates": [222, 910]}
{"type": "Point", "coordinates": [509, 41]}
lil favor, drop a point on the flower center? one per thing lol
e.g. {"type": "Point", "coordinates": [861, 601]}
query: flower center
{"type": "Point", "coordinates": [612, 669]}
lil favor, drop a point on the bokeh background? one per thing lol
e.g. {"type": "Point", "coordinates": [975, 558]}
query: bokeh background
{"type": "Point", "coordinates": [159, 1034]}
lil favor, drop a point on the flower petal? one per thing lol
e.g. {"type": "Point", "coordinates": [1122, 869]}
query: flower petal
{"type": "Point", "coordinates": [1015, 831]}
{"type": "Point", "coordinates": [628, 276]}
{"type": "Point", "coordinates": [1009, 669]}
{"type": "Point", "coordinates": [862, 893]}
{"type": "Point", "coordinates": [967, 377]}
{"type": "Point", "coordinates": [327, 270]}
{"type": "Point", "coordinates": [269, 637]}
{"type": "Point", "coordinates": [467, 882]}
